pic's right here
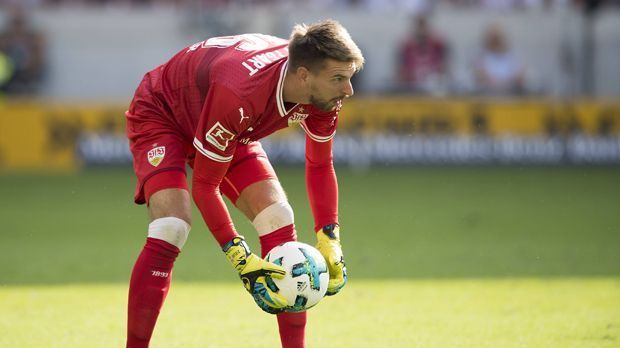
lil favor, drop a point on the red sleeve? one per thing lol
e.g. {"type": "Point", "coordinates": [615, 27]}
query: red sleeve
{"type": "Point", "coordinates": [321, 182]}
{"type": "Point", "coordinates": [215, 142]}
{"type": "Point", "coordinates": [207, 176]}
{"type": "Point", "coordinates": [219, 124]}
{"type": "Point", "coordinates": [321, 125]}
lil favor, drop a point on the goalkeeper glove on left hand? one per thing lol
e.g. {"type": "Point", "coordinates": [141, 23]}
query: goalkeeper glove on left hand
{"type": "Point", "coordinates": [256, 275]}
{"type": "Point", "coordinates": [329, 245]}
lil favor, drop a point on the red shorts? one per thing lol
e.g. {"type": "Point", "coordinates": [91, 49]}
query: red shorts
{"type": "Point", "coordinates": [160, 150]}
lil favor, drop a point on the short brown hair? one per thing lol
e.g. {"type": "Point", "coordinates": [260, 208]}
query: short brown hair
{"type": "Point", "coordinates": [310, 45]}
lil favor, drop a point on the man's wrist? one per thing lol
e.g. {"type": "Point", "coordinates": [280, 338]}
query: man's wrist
{"type": "Point", "coordinates": [237, 251]}
{"type": "Point", "coordinates": [237, 240]}
{"type": "Point", "coordinates": [332, 231]}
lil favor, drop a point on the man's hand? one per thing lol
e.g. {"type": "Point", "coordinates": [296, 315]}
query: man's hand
{"type": "Point", "coordinates": [256, 275]}
{"type": "Point", "coordinates": [329, 246]}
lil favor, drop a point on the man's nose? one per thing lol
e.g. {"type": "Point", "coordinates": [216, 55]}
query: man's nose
{"type": "Point", "coordinates": [348, 89]}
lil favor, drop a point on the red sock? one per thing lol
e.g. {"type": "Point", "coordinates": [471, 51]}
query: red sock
{"type": "Point", "coordinates": [149, 285]}
{"type": "Point", "coordinates": [292, 325]}
{"type": "Point", "coordinates": [292, 329]}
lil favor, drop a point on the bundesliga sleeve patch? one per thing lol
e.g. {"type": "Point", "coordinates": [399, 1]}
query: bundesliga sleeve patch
{"type": "Point", "coordinates": [156, 155]}
{"type": "Point", "coordinates": [219, 136]}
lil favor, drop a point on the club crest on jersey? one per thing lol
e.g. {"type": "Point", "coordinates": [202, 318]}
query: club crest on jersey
{"type": "Point", "coordinates": [219, 136]}
{"type": "Point", "coordinates": [156, 155]}
{"type": "Point", "coordinates": [297, 116]}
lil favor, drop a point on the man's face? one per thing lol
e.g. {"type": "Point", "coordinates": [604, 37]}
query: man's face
{"type": "Point", "coordinates": [331, 84]}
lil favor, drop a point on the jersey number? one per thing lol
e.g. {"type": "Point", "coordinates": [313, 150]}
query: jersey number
{"type": "Point", "coordinates": [245, 42]}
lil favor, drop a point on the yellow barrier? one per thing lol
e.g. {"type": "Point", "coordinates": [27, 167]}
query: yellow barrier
{"type": "Point", "coordinates": [36, 135]}
{"type": "Point", "coordinates": [492, 117]}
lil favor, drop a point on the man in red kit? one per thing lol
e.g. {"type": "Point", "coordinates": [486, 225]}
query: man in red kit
{"type": "Point", "coordinates": [422, 60]}
{"type": "Point", "coordinates": [207, 107]}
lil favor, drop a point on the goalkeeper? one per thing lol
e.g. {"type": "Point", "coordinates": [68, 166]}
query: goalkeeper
{"type": "Point", "coordinates": [207, 107]}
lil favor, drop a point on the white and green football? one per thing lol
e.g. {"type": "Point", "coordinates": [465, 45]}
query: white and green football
{"type": "Point", "coordinates": [305, 283]}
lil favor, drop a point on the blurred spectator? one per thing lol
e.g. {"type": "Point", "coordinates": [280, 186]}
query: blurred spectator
{"type": "Point", "coordinates": [505, 5]}
{"type": "Point", "coordinates": [23, 48]}
{"type": "Point", "coordinates": [404, 6]}
{"type": "Point", "coordinates": [422, 60]}
{"type": "Point", "coordinates": [509, 5]}
{"type": "Point", "coordinates": [497, 70]}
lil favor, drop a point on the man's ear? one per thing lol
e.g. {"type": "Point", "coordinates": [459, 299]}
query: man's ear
{"type": "Point", "coordinates": [302, 74]}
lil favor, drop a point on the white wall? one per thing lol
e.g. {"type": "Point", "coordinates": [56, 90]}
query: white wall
{"type": "Point", "coordinates": [101, 54]}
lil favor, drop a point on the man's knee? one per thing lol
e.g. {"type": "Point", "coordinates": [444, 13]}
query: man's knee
{"type": "Point", "coordinates": [171, 202]}
{"type": "Point", "coordinates": [170, 229]}
{"type": "Point", "coordinates": [265, 204]}
{"type": "Point", "coordinates": [274, 217]}
{"type": "Point", "coordinates": [258, 196]}
{"type": "Point", "coordinates": [170, 211]}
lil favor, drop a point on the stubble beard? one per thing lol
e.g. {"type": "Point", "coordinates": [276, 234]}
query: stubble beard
{"type": "Point", "coordinates": [324, 105]}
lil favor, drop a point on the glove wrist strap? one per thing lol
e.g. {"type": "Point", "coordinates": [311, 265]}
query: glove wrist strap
{"type": "Point", "coordinates": [237, 252]}
{"type": "Point", "coordinates": [331, 231]}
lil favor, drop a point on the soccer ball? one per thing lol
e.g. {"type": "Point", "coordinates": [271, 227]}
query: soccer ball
{"type": "Point", "coordinates": [305, 282]}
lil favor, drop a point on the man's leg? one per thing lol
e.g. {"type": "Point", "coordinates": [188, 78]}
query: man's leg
{"type": "Point", "coordinates": [252, 185]}
{"type": "Point", "coordinates": [170, 215]}
{"type": "Point", "coordinates": [159, 152]}
{"type": "Point", "coordinates": [265, 204]}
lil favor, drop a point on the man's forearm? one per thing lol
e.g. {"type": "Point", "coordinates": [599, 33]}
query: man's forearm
{"type": "Point", "coordinates": [321, 183]}
{"type": "Point", "coordinates": [207, 177]}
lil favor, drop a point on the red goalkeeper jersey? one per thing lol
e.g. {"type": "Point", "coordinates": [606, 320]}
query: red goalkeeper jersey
{"type": "Point", "coordinates": [229, 89]}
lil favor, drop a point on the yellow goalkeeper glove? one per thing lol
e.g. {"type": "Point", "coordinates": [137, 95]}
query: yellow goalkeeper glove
{"type": "Point", "coordinates": [329, 245]}
{"type": "Point", "coordinates": [256, 275]}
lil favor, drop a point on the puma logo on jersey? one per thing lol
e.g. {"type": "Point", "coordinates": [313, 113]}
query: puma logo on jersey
{"type": "Point", "coordinates": [219, 136]}
{"type": "Point", "coordinates": [242, 117]}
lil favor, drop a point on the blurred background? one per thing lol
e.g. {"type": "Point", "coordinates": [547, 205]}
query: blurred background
{"type": "Point", "coordinates": [485, 134]}
{"type": "Point", "coordinates": [451, 81]}
{"type": "Point", "coordinates": [478, 166]}
{"type": "Point", "coordinates": [469, 81]}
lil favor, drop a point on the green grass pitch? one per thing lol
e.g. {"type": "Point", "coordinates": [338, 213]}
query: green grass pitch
{"type": "Point", "coordinates": [437, 257]}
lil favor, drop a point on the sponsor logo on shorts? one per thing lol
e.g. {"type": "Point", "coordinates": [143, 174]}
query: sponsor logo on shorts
{"type": "Point", "coordinates": [219, 136]}
{"type": "Point", "coordinates": [156, 155]}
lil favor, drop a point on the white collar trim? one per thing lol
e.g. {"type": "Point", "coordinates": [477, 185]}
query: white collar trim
{"type": "Point", "coordinates": [280, 88]}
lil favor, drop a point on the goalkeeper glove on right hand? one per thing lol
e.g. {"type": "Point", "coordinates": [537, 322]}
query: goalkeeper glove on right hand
{"type": "Point", "coordinates": [329, 245]}
{"type": "Point", "coordinates": [256, 275]}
